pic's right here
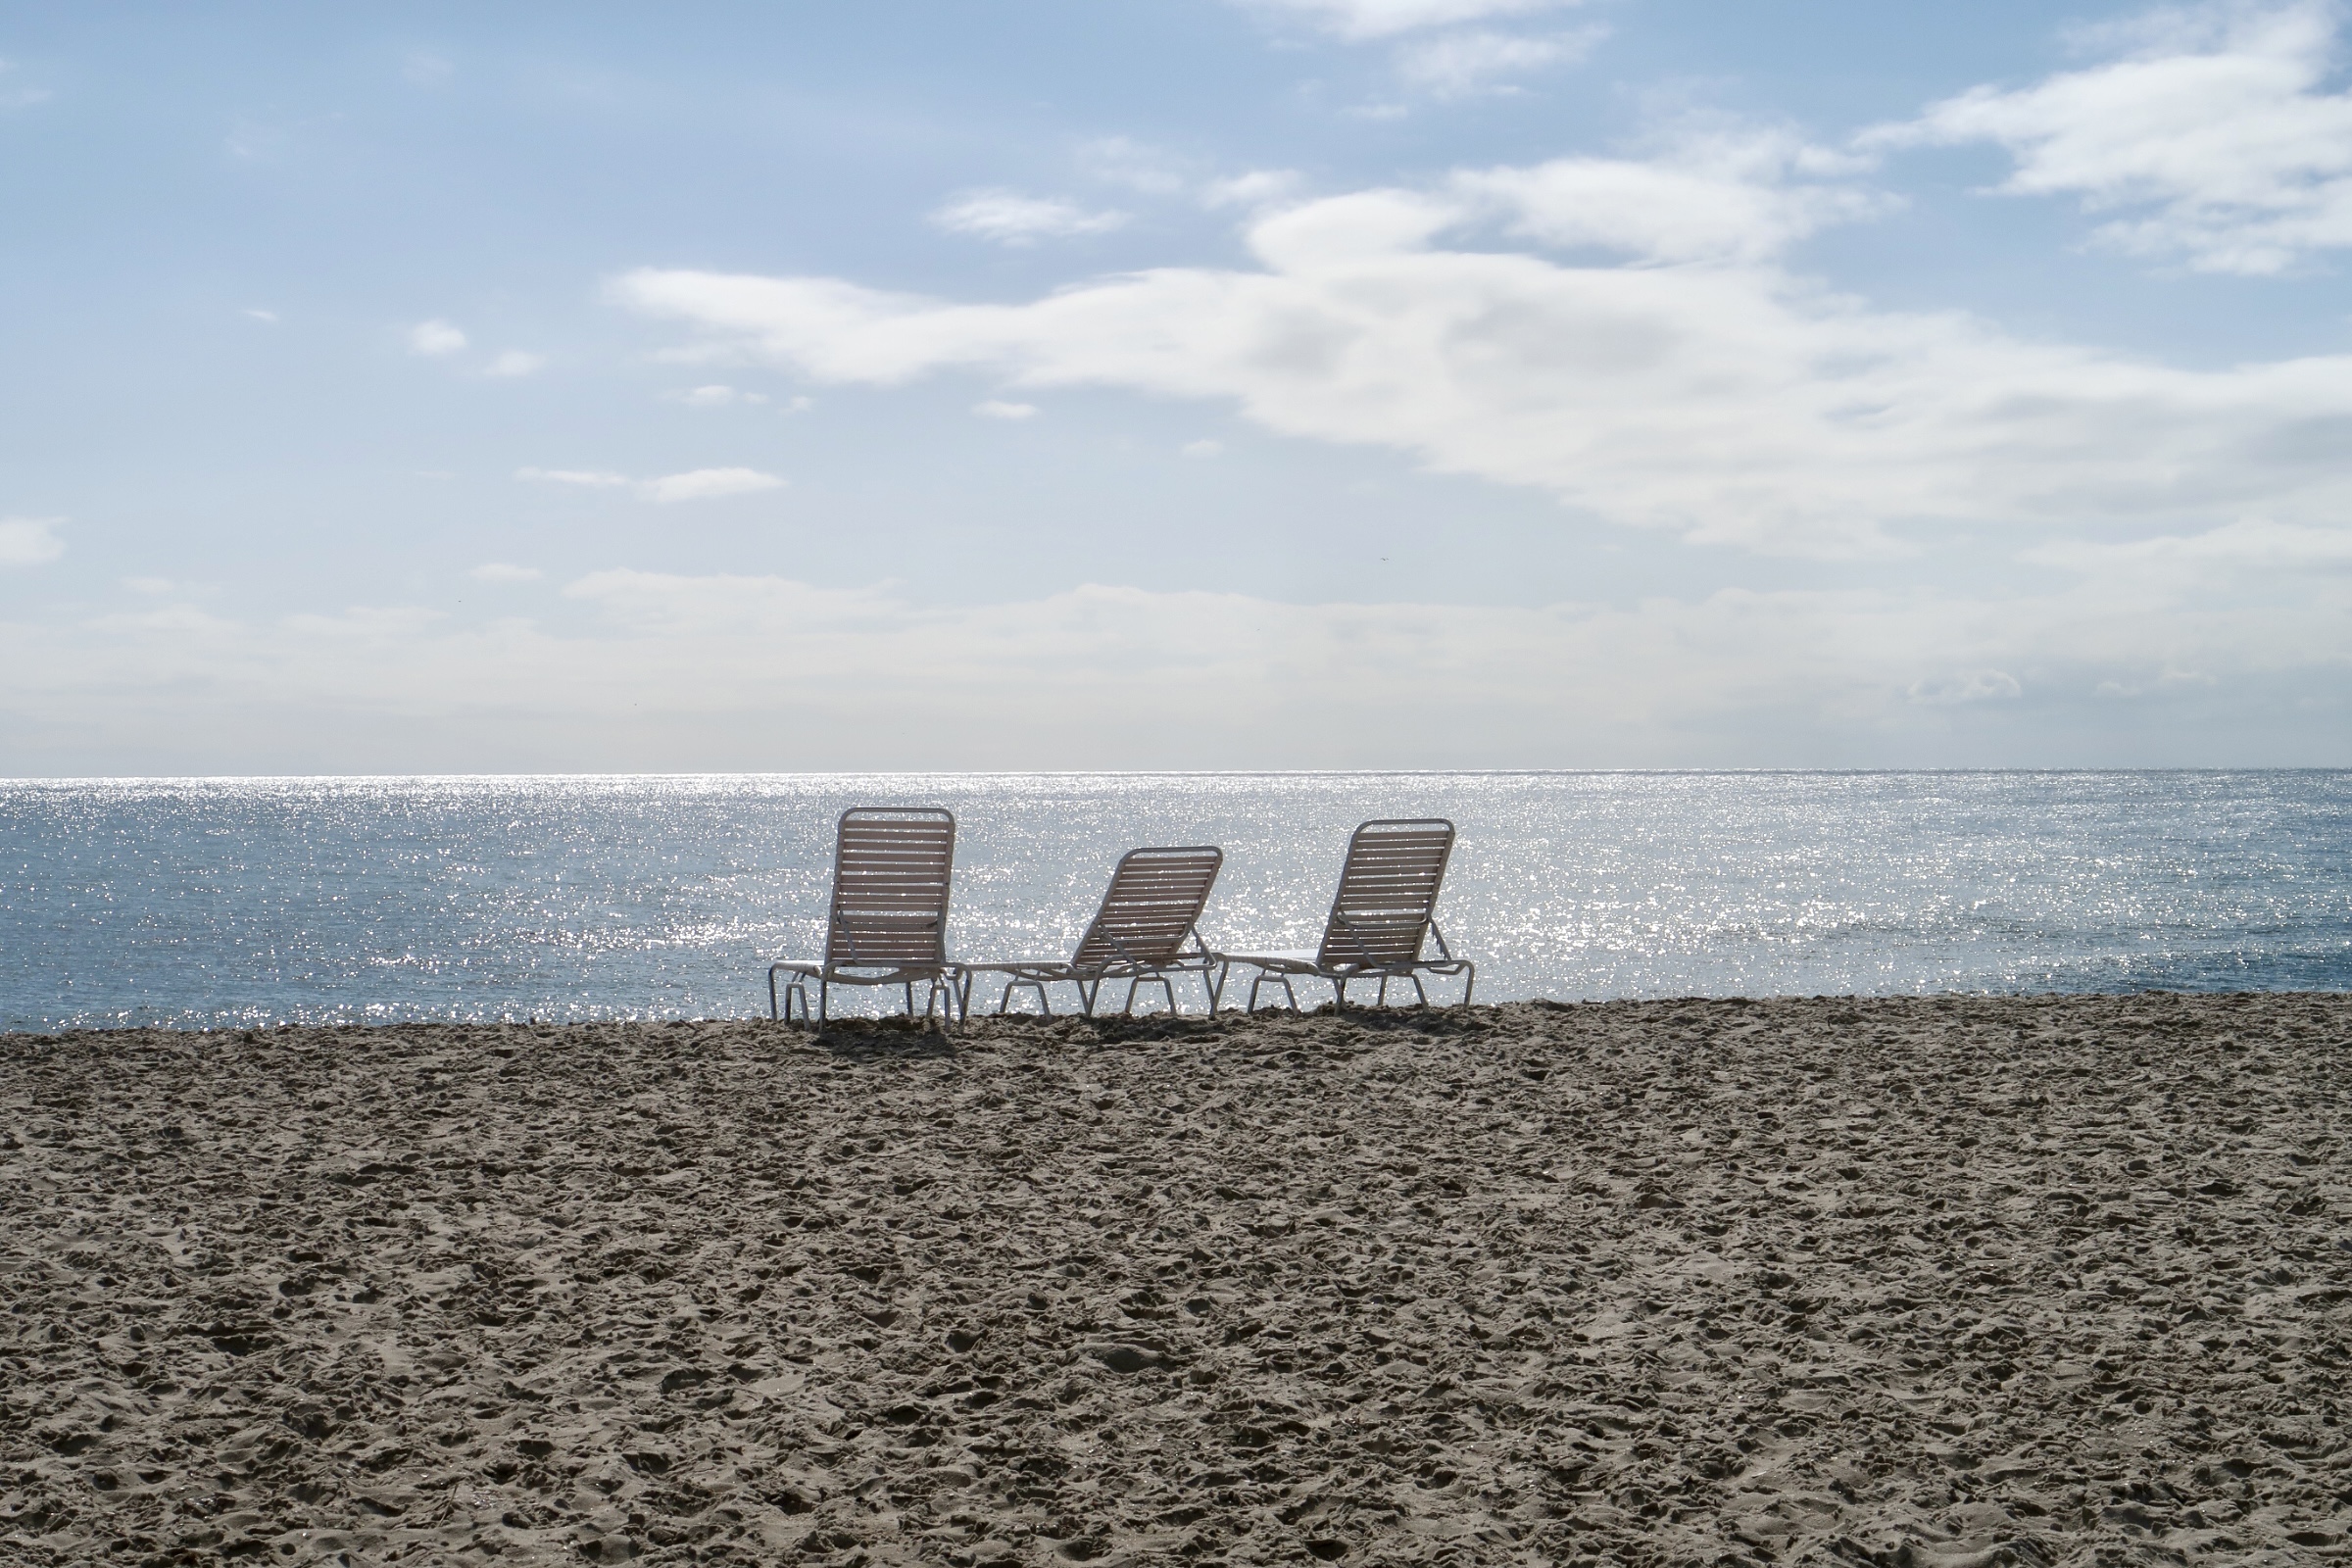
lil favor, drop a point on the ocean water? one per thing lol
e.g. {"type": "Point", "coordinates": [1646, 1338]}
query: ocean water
{"type": "Point", "coordinates": [202, 903]}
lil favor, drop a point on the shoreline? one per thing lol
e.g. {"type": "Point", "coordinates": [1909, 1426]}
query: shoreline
{"type": "Point", "coordinates": [1109, 1019]}
{"type": "Point", "coordinates": [1976, 1278]}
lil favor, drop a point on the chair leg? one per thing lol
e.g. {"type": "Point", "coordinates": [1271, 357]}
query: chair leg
{"type": "Point", "coordinates": [1288, 994]}
{"type": "Point", "coordinates": [1136, 982]}
{"type": "Point", "coordinates": [1045, 1003]}
{"type": "Point", "coordinates": [1338, 991]}
{"type": "Point", "coordinates": [1418, 990]}
{"type": "Point", "coordinates": [1469, 985]}
{"type": "Point", "coordinates": [1214, 985]}
{"type": "Point", "coordinates": [1380, 998]}
{"type": "Point", "coordinates": [771, 994]}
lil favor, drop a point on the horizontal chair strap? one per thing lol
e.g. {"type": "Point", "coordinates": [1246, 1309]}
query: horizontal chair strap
{"type": "Point", "coordinates": [887, 973]}
{"type": "Point", "coordinates": [1056, 970]}
{"type": "Point", "coordinates": [1274, 964]}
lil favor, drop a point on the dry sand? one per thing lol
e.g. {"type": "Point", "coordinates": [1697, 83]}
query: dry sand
{"type": "Point", "coordinates": [1913, 1282]}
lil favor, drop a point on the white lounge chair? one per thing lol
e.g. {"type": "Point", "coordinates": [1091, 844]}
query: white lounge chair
{"type": "Point", "coordinates": [1150, 914]}
{"type": "Point", "coordinates": [887, 925]}
{"type": "Point", "coordinates": [1383, 917]}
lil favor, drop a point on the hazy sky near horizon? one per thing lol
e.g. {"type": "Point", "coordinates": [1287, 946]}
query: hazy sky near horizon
{"type": "Point", "coordinates": [1174, 383]}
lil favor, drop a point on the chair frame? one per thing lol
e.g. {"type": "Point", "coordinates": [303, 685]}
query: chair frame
{"type": "Point", "coordinates": [1151, 960]}
{"type": "Point", "coordinates": [1342, 931]}
{"type": "Point", "coordinates": [900, 872]}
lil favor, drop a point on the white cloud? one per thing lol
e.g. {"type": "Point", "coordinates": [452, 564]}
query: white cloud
{"type": "Point", "coordinates": [698, 484]}
{"type": "Point", "coordinates": [2158, 683]}
{"type": "Point", "coordinates": [260, 315]}
{"type": "Point", "coordinates": [172, 621]}
{"type": "Point", "coordinates": [1123, 161]}
{"type": "Point", "coordinates": [1728, 196]}
{"type": "Point", "coordinates": [424, 70]}
{"type": "Point", "coordinates": [998, 408]}
{"type": "Point", "coordinates": [515, 363]}
{"type": "Point", "coordinates": [1202, 449]}
{"type": "Point", "coordinates": [1684, 381]}
{"type": "Point", "coordinates": [749, 671]}
{"type": "Point", "coordinates": [1259, 187]}
{"type": "Point", "coordinates": [151, 587]}
{"type": "Point", "coordinates": [373, 626]}
{"type": "Point", "coordinates": [29, 541]}
{"type": "Point", "coordinates": [704, 484]}
{"type": "Point", "coordinates": [253, 142]}
{"type": "Point", "coordinates": [703, 397]}
{"type": "Point", "coordinates": [1009, 218]}
{"type": "Point", "coordinates": [1966, 686]}
{"type": "Point", "coordinates": [1382, 19]}
{"type": "Point", "coordinates": [1454, 65]}
{"type": "Point", "coordinates": [501, 572]}
{"type": "Point", "coordinates": [1157, 172]}
{"type": "Point", "coordinates": [593, 479]}
{"type": "Point", "coordinates": [436, 339]}
{"type": "Point", "coordinates": [2170, 567]}
{"type": "Point", "coordinates": [12, 96]}
{"type": "Point", "coordinates": [2212, 136]}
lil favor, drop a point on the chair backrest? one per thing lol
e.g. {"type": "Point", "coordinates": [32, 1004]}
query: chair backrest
{"type": "Point", "coordinates": [1153, 902]}
{"type": "Point", "coordinates": [890, 869]}
{"type": "Point", "coordinates": [1388, 893]}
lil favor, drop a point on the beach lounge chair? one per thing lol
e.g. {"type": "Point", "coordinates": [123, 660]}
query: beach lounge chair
{"type": "Point", "coordinates": [1146, 930]}
{"type": "Point", "coordinates": [887, 925]}
{"type": "Point", "coordinates": [1383, 916]}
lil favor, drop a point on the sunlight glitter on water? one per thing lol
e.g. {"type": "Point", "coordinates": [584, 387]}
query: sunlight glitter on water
{"type": "Point", "coordinates": [243, 902]}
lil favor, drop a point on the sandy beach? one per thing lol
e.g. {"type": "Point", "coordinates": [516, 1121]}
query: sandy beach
{"type": "Point", "coordinates": [1935, 1280]}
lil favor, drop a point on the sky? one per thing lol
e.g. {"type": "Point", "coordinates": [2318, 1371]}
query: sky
{"type": "Point", "coordinates": [1173, 385]}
